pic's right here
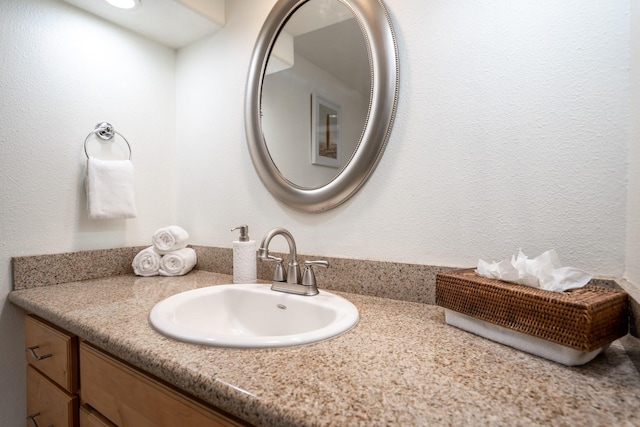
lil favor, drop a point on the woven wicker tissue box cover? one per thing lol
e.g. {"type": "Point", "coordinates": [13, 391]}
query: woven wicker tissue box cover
{"type": "Point", "coordinates": [584, 319]}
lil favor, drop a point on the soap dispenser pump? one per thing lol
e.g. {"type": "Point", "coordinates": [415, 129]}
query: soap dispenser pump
{"type": "Point", "coordinates": [244, 257]}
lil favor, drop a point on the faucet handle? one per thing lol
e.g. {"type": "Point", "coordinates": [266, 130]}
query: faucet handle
{"type": "Point", "coordinates": [320, 262]}
{"type": "Point", "coordinates": [309, 277]}
{"type": "Point", "coordinates": [272, 258]}
{"type": "Point", "coordinates": [279, 273]}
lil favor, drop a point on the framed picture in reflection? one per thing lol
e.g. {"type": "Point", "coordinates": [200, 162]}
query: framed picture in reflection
{"type": "Point", "coordinates": [325, 132]}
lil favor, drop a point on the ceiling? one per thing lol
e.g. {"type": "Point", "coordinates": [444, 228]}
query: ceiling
{"type": "Point", "coordinates": [173, 23]}
{"type": "Point", "coordinates": [340, 50]}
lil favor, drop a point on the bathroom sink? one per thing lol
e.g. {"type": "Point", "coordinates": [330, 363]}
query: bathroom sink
{"type": "Point", "coordinates": [252, 316]}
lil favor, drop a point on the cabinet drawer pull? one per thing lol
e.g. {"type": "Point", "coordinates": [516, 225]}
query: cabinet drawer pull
{"type": "Point", "coordinates": [32, 418]}
{"type": "Point", "coordinates": [33, 354]}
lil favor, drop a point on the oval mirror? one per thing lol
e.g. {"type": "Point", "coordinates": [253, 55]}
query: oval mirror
{"type": "Point", "coordinates": [321, 97]}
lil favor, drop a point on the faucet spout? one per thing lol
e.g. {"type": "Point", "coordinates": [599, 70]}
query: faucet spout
{"type": "Point", "coordinates": [293, 270]}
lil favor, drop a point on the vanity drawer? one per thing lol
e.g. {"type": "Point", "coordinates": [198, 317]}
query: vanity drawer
{"type": "Point", "coordinates": [52, 351]}
{"type": "Point", "coordinates": [128, 397]}
{"type": "Point", "coordinates": [47, 403]}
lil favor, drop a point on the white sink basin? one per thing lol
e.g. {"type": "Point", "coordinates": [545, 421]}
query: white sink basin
{"type": "Point", "coordinates": [252, 315]}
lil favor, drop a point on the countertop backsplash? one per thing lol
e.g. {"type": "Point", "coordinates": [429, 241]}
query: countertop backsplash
{"type": "Point", "coordinates": [400, 281]}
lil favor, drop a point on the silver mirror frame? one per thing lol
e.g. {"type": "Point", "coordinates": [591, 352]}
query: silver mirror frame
{"type": "Point", "coordinates": [383, 58]}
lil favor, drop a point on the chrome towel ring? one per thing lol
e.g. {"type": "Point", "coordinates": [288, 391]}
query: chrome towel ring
{"type": "Point", "coordinates": [105, 132]}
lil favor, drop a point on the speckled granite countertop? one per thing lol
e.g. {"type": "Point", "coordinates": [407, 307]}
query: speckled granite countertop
{"type": "Point", "coordinates": [401, 365]}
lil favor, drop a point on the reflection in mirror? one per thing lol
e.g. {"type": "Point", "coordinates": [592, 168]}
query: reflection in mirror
{"type": "Point", "coordinates": [316, 93]}
{"type": "Point", "coordinates": [326, 116]}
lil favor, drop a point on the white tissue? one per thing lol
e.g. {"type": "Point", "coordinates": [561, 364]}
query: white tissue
{"type": "Point", "coordinates": [544, 272]}
{"type": "Point", "coordinates": [168, 239]}
{"type": "Point", "coordinates": [146, 262]}
{"type": "Point", "coordinates": [178, 263]}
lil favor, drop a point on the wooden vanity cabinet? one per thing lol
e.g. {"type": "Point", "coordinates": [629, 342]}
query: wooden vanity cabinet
{"type": "Point", "coordinates": [52, 374]}
{"type": "Point", "coordinates": [129, 397]}
{"type": "Point", "coordinates": [74, 384]}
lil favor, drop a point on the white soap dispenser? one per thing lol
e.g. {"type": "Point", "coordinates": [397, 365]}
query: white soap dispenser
{"type": "Point", "coordinates": [244, 257]}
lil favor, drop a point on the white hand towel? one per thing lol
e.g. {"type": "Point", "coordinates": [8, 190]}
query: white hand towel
{"type": "Point", "coordinates": [178, 263]}
{"type": "Point", "coordinates": [110, 189]}
{"type": "Point", "coordinates": [169, 239]}
{"type": "Point", "coordinates": [147, 262]}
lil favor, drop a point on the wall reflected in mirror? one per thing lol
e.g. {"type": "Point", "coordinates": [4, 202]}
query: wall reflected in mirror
{"type": "Point", "coordinates": [321, 54]}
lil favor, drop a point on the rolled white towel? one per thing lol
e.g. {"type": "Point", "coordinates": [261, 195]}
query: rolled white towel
{"type": "Point", "coordinates": [169, 239]}
{"type": "Point", "coordinates": [147, 262]}
{"type": "Point", "coordinates": [178, 263]}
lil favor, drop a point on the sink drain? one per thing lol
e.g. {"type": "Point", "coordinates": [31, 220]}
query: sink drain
{"type": "Point", "coordinates": [282, 306]}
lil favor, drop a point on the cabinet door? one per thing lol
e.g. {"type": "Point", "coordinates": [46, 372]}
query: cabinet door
{"type": "Point", "coordinates": [53, 351]}
{"type": "Point", "coordinates": [89, 417]}
{"type": "Point", "coordinates": [130, 398]}
{"type": "Point", "coordinates": [47, 403]}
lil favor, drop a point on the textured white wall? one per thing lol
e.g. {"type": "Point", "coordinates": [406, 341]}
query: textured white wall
{"type": "Point", "coordinates": [633, 206]}
{"type": "Point", "coordinates": [512, 131]}
{"type": "Point", "coordinates": [61, 72]}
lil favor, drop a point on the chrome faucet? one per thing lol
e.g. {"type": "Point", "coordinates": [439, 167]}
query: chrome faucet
{"type": "Point", "coordinates": [292, 281]}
